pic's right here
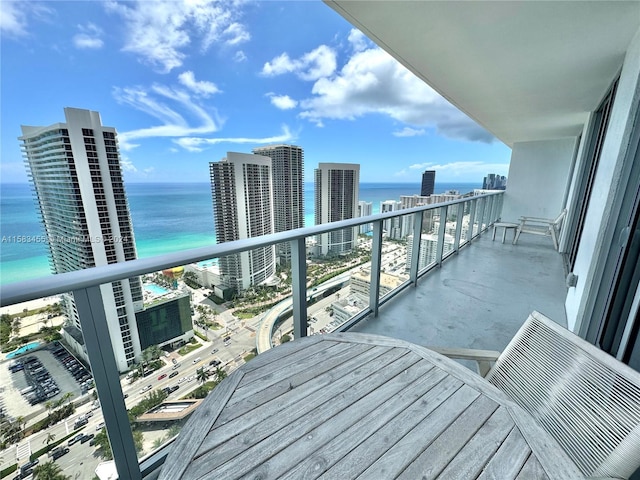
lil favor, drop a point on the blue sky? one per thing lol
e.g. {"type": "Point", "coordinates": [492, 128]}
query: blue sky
{"type": "Point", "coordinates": [184, 82]}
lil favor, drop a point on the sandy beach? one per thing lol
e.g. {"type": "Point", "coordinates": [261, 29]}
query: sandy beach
{"type": "Point", "coordinates": [30, 305]}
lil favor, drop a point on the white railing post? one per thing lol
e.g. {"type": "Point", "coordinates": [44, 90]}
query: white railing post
{"type": "Point", "coordinates": [483, 204]}
{"type": "Point", "coordinates": [441, 231]}
{"type": "Point", "coordinates": [415, 248]}
{"type": "Point", "coordinates": [472, 218]}
{"type": "Point", "coordinates": [299, 287]}
{"type": "Point", "coordinates": [104, 369]}
{"type": "Point", "coordinates": [376, 265]}
{"type": "Point", "coordinates": [459, 219]}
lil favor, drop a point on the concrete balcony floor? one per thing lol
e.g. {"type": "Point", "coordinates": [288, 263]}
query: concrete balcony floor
{"type": "Point", "coordinates": [478, 298]}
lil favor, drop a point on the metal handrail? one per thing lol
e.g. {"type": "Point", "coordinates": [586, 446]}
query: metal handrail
{"type": "Point", "coordinates": [65, 282]}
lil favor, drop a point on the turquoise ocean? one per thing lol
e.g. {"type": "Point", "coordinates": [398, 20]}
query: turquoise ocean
{"type": "Point", "coordinates": [166, 217]}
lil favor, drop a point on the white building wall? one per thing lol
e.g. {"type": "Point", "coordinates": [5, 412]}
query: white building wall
{"type": "Point", "coordinates": [538, 179]}
{"type": "Point", "coordinates": [605, 188]}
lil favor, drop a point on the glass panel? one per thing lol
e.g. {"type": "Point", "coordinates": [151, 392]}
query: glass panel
{"type": "Point", "coordinates": [49, 406]}
{"type": "Point", "coordinates": [395, 268]}
{"type": "Point", "coordinates": [450, 231]}
{"type": "Point", "coordinates": [332, 301]}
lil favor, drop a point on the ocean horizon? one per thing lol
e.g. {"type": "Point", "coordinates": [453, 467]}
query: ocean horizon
{"type": "Point", "coordinates": [166, 217]}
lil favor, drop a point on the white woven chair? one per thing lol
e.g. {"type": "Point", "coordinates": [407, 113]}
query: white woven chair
{"type": "Point", "coordinates": [587, 400]}
{"type": "Point", "coordinates": [541, 226]}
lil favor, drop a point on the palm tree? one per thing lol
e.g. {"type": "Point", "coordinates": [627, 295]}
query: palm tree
{"type": "Point", "coordinates": [50, 438]}
{"type": "Point", "coordinates": [220, 374]}
{"type": "Point", "coordinates": [49, 471]}
{"type": "Point", "coordinates": [202, 375]}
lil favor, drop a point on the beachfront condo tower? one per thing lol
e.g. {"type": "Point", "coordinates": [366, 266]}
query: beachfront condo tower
{"type": "Point", "coordinates": [287, 169]}
{"type": "Point", "coordinates": [336, 198]}
{"type": "Point", "coordinates": [75, 171]}
{"type": "Point", "coordinates": [241, 187]}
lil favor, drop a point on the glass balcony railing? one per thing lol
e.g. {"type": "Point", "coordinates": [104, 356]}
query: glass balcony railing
{"type": "Point", "coordinates": [316, 294]}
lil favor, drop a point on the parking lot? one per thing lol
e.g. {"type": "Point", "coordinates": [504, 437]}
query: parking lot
{"type": "Point", "coordinates": [14, 403]}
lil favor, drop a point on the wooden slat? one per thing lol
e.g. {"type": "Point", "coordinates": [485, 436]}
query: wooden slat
{"type": "Point", "coordinates": [533, 470]}
{"type": "Point", "coordinates": [355, 416]}
{"type": "Point", "coordinates": [281, 426]}
{"type": "Point", "coordinates": [439, 452]}
{"type": "Point", "coordinates": [186, 445]}
{"type": "Point", "coordinates": [283, 351]}
{"type": "Point", "coordinates": [273, 371]}
{"type": "Point", "coordinates": [427, 394]}
{"type": "Point", "coordinates": [477, 452]}
{"type": "Point", "coordinates": [439, 411]}
{"type": "Point", "coordinates": [290, 394]}
{"type": "Point", "coordinates": [263, 391]}
{"type": "Point", "coordinates": [509, 459]}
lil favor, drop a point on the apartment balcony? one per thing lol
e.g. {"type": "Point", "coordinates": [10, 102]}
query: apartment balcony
{"type": "Point", "coordinates": [474, 296]}
{"type": "Point", "coordinates": [479, 297]}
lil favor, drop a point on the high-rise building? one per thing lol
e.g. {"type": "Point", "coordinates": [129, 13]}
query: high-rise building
{"type": "Point", "coordinates": [287, 167]}
{"type": "Point", "coordinates": [365, 209]}
{"type": "Point", "coordinates": [392, 226]}
{"type": "Point", "coordinates": [241, 187]}
{"type": "Point", "coordinates": [493, 181]}
{"type": "Point", "coordinates": [336, 198]}
{"type": "Point", "coordinates": [75, 171]}
{"type": "Point", "coordinates": [428, 183]}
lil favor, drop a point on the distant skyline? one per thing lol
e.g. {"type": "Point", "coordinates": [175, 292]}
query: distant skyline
{"type": "Point", "coordinates": [185, 82]}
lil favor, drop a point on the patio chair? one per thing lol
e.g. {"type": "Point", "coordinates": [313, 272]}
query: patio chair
{"type": "Point", "coordinates": [541, 226]}
{"type": "Point", "coordinates": [586, 399]}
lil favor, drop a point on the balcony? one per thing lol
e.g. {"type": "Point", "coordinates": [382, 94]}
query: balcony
{"type": "Point", "coordinates": [476, 265]}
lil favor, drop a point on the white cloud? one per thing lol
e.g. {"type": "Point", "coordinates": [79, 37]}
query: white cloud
{"type": "Point", "coordinates": [202, 87]}
{"type": "Point", "coordinates": [409, 132]}
{"type": "Point", "coordinates": [239, 56]}
{"type": "Point", "coordinates": [171, 106]}
{"type": "Point", "coordinates": [89, 37]}
{"type": "Point", "coordinates": [15, 16]}
{"type": "Point", "coordinates": [283, 102]}
{"type": "Point", "coordinates": [318, 63]}
{"type": "Point", "coordinates": [235, 34]}
{"type": "Point", "coordinates": [372, 82]}
{"type": "Point", "coordinates": [197, 144]}
{"type": "Point", "coordinates": [127, 164]}
{"type": "Point", "coordinates": [158, 31]}
{"type": "Point", "coordinates": [358, 40]}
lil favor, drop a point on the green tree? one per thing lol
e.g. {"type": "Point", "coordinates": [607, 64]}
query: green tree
{"type": "Point", "coordinates": [202, 375]}
{"type": "Point", "coordinates": [101, 441]}
{"type": "Point", "coordinates": [220, 374]}
{"type": "Point", "coordinates": [49, 471]}
{"type": "Point", "coordinates": [50, 438]}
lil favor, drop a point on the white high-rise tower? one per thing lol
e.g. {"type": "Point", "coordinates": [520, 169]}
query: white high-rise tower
{"type": "Point", "coordinates": [77, 179]}
{"type": "Point", "coordinates": [242, 206]}
{"type": "Point", "coordinates": [287, 166]}
{"type": "Point", "coordinates": [336, 198]}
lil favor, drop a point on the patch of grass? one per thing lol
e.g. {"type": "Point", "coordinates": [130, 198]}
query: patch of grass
{"type": "Point", "coordinates": [189, 348]}
{"type": "Point", "coordinates": [201, 336]}
{"type": "Point", "coordinates": [249, 356]}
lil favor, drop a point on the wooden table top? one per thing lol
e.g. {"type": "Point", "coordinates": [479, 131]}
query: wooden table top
{"type": "Point", "coordinates": [353, 405]}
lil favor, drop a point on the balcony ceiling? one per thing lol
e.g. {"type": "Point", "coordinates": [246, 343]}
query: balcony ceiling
{"type": "Point", "coordinates": [525, 70]}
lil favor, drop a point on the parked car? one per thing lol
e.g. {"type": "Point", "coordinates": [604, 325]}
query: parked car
{"type": "Point", "coordinates": [58, 452]}
{"type": "Point", "coordinates": [99, 427]}
{"type": "Point", "coordinates": [76, 439]}
{"type": "Point", "coordinates": [174, 361]}
{"type": "Point", "coordinates": [86, 438]}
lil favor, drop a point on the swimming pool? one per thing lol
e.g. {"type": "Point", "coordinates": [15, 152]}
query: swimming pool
{"type": "Point", "coordinates": [208, 263]}
{"type": "Point", "coordinates": [155, 289]}
{"type": "Point", "coordinates": [23, 349]}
